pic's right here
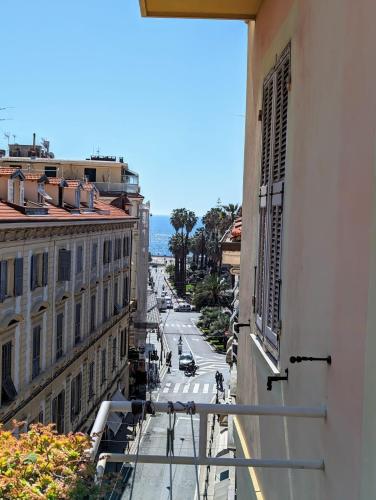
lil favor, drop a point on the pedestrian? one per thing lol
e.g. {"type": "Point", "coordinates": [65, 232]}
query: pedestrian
{"type": "Point", "coordinates": [221, 382]}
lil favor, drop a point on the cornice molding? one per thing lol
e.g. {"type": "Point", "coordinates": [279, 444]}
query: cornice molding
{"type": "Point", "coordinates": [43, 232]}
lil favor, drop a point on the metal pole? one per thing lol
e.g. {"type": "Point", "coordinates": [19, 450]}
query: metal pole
{"type": "Point", "coordinates": [203, 436]}
{"type": "Point", "coordinates": [225, 462]}
{"type": "Point", "coordinates": [221, 409]}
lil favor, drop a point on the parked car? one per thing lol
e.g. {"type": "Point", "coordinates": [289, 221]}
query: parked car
{"type": "Point", "coordinates": [186, 360]}
{"type": "Point", "coordinates": [168, 302]}
{"type": "Point", "coordinates": [182, 307]}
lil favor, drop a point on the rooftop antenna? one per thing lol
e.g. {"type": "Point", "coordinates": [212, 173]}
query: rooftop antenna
{"type": "Point", "coordinates": [14, 138]}
{"type": "Point", "coordinates": [7, 136]}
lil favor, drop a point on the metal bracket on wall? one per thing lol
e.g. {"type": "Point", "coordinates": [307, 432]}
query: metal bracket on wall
{"type": "Point", "coordinates": [276, 378]}
{"type": "Point", "coordinates": [237, 326]}
{"type": "Point", "coordinates": [299, 359]}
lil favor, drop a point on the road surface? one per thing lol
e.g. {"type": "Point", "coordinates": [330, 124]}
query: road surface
{"type": "Point", "coordinates": [152, 481]}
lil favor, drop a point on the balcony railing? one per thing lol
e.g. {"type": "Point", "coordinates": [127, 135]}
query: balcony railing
{"type": "Point", "coordinates": [117, 187]}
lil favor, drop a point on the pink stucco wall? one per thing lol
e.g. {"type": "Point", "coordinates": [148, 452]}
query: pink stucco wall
{"type": "Point", "coordinates": [328, 214]}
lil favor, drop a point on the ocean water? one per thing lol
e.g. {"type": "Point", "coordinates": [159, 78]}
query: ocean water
{"type": "Point", "coordinates": [160, 232]}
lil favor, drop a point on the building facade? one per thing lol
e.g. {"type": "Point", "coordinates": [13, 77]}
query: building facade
{"type": "Point", "coordinates": [65, 273]}
{"type": "Point", "coordinates": [308, 242]}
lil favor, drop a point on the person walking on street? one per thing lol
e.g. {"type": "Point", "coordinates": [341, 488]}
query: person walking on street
{"type": "Point", "coordinates": [221, 382]}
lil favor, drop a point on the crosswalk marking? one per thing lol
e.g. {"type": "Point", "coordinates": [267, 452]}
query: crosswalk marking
{"type": "Point", "coordinates": [190, 388]}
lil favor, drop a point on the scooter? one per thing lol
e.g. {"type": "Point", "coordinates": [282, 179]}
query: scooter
{"type": "Point", "coordinates": [190, 371]}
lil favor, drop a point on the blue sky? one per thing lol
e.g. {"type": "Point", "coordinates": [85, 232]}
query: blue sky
{"type": "Point", "coordinates": [168, 95]}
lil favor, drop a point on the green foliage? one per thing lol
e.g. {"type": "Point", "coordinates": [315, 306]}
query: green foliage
{"type": "Point", "coordinates": [43, 464]}
{"type": "Point", "coordinates": [213, 322]}
{"type": "Point", "coordinates": [210, 292]}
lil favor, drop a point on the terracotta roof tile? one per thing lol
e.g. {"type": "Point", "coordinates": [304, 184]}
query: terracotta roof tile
{"type": "Point", "coordinates": [10, 214]}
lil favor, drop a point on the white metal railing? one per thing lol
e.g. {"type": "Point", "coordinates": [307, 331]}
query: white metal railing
{"type": "Point", "coordinates": [117, 187]}
{"type": "Point", "coordinates": [203, 410]}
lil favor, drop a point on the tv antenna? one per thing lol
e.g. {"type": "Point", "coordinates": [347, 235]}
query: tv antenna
{"type": "Point", "coordinates": [7, 136]}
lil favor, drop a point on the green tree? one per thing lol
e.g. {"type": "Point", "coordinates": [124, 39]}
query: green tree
{"type": "Point", "coordinates": [210, 292]}
{"type": "Point", "coordinates": [231, 210]}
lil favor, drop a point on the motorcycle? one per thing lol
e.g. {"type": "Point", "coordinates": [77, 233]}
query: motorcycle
{"type": "Point", "coordinates": [190, 371]}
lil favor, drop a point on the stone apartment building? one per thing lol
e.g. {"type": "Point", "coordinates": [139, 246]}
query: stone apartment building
{"type": "Point", "coordinates": [117, 186]}
{"type": "Point", "coordinates": [308, 260]}
{"type": "Point", "coordinates": [65, 272]}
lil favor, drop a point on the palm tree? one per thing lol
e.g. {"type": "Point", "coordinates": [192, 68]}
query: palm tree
{"type": "Point", "coordinates": [231, 210]}
{"type": "Point", "coordinates": [210, 292]}
{"type": "Point", "coordinates": [177, 222]}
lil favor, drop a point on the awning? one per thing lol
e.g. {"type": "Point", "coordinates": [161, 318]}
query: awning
{"type": "Point", "coordinates": [115, 420]}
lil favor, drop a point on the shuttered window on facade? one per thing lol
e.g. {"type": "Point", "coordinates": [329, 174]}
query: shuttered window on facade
{"type": "Point", "coordinates": [8, 391]}
{"type": "Point", "coordinates": [58, 412]}
{"type": "Point", "coordinates": [59, 335]}
{"type": "Point", "coordinates": [272, 183]}
{"type": "Point", "coordinates": [18, 276]}
{"type": "Point", "coordinates": [76, 395]}
{"type": "Point", "coordinates": [91, 380]}
{"type": "Point", "coordinates": [3, 280]}
{"type": "Point", "coordinates": [36, 351]}
{"type": "Point", "coordinates": [64, 265]}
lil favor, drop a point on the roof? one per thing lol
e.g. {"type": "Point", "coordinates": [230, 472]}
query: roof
{"type": "Point", "coordinates": [10, 214]}
{"type": "Point", "coordinates": [236, 230]}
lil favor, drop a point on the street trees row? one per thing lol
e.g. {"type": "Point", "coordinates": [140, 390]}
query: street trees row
{"type": "Point", "coordinates": [204, 244]}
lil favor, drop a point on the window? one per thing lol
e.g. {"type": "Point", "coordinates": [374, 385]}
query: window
{"type": "Point", "coordinates": [92, 312]}
{"type": "Point", "coordinates": [103, 366]}
{"type": "Point", "coordinates": [79, 259]}
{"type": "Point", "coordinates": [91, 380]}
{"type": "Point", "coordinates": [117, 308]}
{"type": "Point", "coordinates": [77, 324]}
{"type": "Point", "coordinates": [126, 246]}
{"type": "Point", "coordinates": [58, 412]}
{"type": "Point", "coordinates": [117, 254]}
{"type": "Point", "coordinates": [272, 180]}
{"type": "Point", "coordinates": [90, 174]}
{"type": "Point", "coordinates": [76, 394]}
{"type": "Point", "coordinates": [59, 335]}
{"type": "Point", "coordinates": [114, 354]}
{"type": "Point", "coordinates": [50, 171]}
{"type": "Point", "coordinates": [41, 417]}
{"type": "Point", "coordinates": [18, 276]}
{"type": "Point", "coordinates": [64, 265]}
{"type": "Point", "coordinates": [125, 290]}
{"type": "Point", "coordinates": [3, 280]}
{"type": "Point", "coordinates": [38, 270]}
{"type": "Point", "coordinates": [94, 255]}
{"type": "Point", "coordinates": [36, 351]}
{"type": "Point", "coordinates": [11, 278]}
{"type": "Point", "coordinates": [123, 343]}
{"type": "Point", "coordinates": [105, 304]}
{"type": "Point", "coordinates": [107, 251]}
{"type": "Point", "coordinates": [8, 391]}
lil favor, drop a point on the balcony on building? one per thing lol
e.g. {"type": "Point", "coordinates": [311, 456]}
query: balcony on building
{"type": "Point", "coordinates": [201, 9]}
{"type": "Point", "coordinates": [129, 184]}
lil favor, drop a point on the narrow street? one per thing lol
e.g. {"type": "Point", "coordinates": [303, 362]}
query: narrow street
{"type": "Point", "coordinates": [175, 386]}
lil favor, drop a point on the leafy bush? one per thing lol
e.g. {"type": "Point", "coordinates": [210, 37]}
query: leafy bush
{"type": "Point", "coordinates": [41, 464]}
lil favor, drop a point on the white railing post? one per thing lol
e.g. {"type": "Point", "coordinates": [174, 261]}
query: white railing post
{"type": "Point", "coordinates": [203, 435]}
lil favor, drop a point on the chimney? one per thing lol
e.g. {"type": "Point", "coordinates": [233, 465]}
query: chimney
{"type": "Point", "coordinates": [34, 140]}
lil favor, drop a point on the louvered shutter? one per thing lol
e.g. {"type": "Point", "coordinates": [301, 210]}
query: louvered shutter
{"type": "Point", "coordinates": [73, 399]}
{"type": "Point", "coordinates": [45, 269]}
{"type": "Point", "coordinates": [18, 276]}
{"type": "Point", "coordinates": [3, 279]}
{"type": "Point", "coordinates": [110, 251]}
{"type": "Point", "coordinates": [54, 410]}
{"type": "Point", "coordinates": [282, 77]}
{"type": "Point", "coordinates": [33, 272]}
{"type": "Point", "coordinates": [263, 197]}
